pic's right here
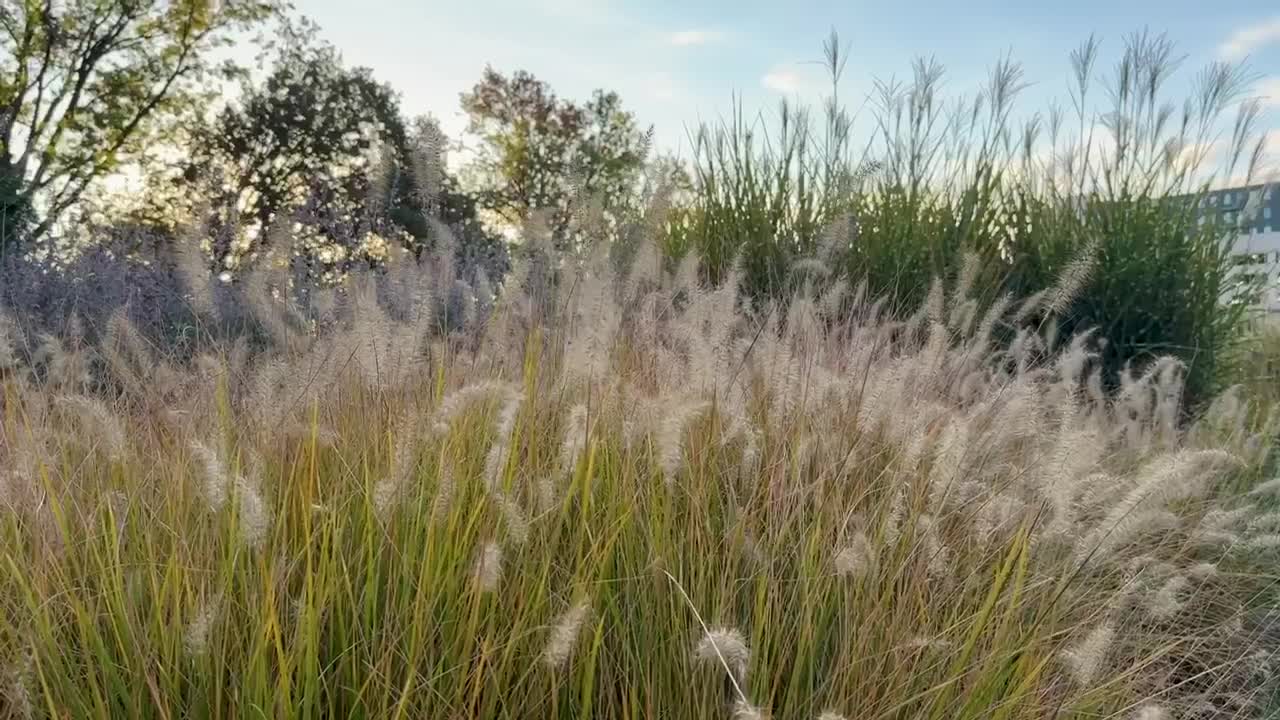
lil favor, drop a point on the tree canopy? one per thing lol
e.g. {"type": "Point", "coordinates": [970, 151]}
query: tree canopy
{"type": "Point", "coordinates": [539, 152]}
{"type": "Point", "coordinates": [84, 85]}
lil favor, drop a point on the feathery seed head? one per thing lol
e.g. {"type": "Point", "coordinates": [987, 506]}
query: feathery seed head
{"type": "Point", "coordinates": [512, 517]}
{"type": "Point", "coordinates": [724, 647]}
{"type": "Point", "coordinates": [1270, 488]}
{"type": "Point", "coordinates": [1264, 542]}
{"type": "Point", "coordinates": [99, 419]}
{"type": "Point", "coordinates": [1087, 658]}
{"type": "Point", "coordinates": [1167, 602]}
{"type": "Point", "coordinates": [217, 479]}
{"type": "Point", "coordinates": [487, 569]}
{"type": "Point", "coordinates": [1151, 711]}
{"type": "Point", "coordinates": [743, 710]}
{"type": "Point", "coordinates": [564, 634]}
{"type": "Point", "coordinates": [196, 638]}
{"type": "Point", "coordinates": [1202, 571]}
{"type": "Point", "coordinates": [856, 558]}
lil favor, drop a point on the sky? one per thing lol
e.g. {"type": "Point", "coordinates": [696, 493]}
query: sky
{"type": "Point", "coordinates": [676, 63]}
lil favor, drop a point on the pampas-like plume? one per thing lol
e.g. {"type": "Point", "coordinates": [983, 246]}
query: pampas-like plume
{"type": "Point", "coordinates": [487, 570]}
{"type": "Point", "coordinates": [724, 646]}
{"type": "Point", "coordinates": [1180, 475]}
{"type": "Point", "coordinates": [924, 642]}
{"type": "Point", "coordinates": [99, 418]}
{"type": "Point", "coordinates": [1087, 658]}
{"type": "Point", "coordinates": [445, 488]}
{"type": "Point", "coordinates": [1264, 542]}
{"type": "Point", "coordinates": [389, 490]}
{"type": "Point", "coordinates": [575, 431]}
{"type": "Point", "coordinates": [671, 438]}
{"type": "Point", "coordinates": [496, 460]}
{"type": "Point", "coordinates": [253, 515]}
{"type": "Point", "coordinates": [217, 479]}
{"type": "Point", "coordinates": [10, 340]}
{"type": "Point", "coordinates": [456, 402]}
{"type": "Point", "coordinates": [1270, 488]}
{"type": "Point", "coordinates": [564, 635]}
{"type": "Point", "coordinates": [895, 516]}
{"type": "Point", "coordinates": [856, 558]}
{"type": "Point", "coordinates": [196, 635]}
{"type": "Point", "coordinates": [127, 353]}
{"type": "Point", "coordinates": [1072, 280]}
{"type": "Point", "coordinates": [937, 554]}
{"type": "Point", "coordinates": [1218, 526]}
{"type": "Point", "coordinates": [1151, 711]}
{"type": "Point", "coordinates": [1166, 602]}
{"type": "Point", "coordinates": [1268, 522]}
{"type": "Point", "coordinates": [512, 517]}
{"type": "Point", "coordinates": [1202, 571]}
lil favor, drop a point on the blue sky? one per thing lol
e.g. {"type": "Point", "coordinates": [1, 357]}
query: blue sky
{"type": "Point", "coordinates": [676, 62]}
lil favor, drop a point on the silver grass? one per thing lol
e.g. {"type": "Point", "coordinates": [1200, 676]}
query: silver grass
{"type": "Point", "coordinates": [253, 515]}
{"type": "Point", "coordinates": [445, 488]}
{"type": "Point", "coordinates": [1202, 571]}
{"type": "Point", "coordinates": [574, 438]}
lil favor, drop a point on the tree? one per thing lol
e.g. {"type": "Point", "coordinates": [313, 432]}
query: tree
{"type": "Point", "coordinates": [318, 154]}
{"type": "Point", "coordinates": [302, 142]}
{"type": "Point", "coordinates": [83, 84]}
{"type": "Point", "coordinates": [540, 152]}
{"type": "Point", "coordinates": [421, 189]}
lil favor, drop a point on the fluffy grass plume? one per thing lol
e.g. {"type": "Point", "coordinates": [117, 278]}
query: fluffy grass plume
{"type": "Point", "coordinates": [901, 513]}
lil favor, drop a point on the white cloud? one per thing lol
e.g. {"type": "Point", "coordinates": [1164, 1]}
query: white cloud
{"type": "Point", "coordinates": [797, 78]}
{"type": "Point", "coordinates": [1247, 39]}
{"type": "Point", "coordinates": [693, 38]}
{"type": "Point", "coordinates": [783, 80]}
{"type": "Point", "coordinates": [661, 86]}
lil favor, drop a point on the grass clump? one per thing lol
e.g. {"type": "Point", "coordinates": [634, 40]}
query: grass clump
{"type": "Point", "coordinates": [634, 498]}
{"type": "Point", "coordinates": [1118, 178]}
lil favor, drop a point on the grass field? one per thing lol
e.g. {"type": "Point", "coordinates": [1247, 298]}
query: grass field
{"type": "Point", "coordinates": [623, 496]}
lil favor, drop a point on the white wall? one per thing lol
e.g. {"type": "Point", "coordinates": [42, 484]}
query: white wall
{"type": "Point", "coordinates": [1267, 243]}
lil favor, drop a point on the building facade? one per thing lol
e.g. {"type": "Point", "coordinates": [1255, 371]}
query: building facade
{"type": "Point", "coordinates": [1255, 212]}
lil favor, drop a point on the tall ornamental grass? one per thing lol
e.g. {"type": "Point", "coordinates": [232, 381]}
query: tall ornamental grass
{"type": "Point", "coordinates": [1114, 180]}
{"type": "Point", "coordinates": [634, 498]}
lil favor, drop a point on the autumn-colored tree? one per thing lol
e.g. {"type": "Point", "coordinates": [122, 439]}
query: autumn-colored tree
{"type": "Point", "coordinates": [539, 152]}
